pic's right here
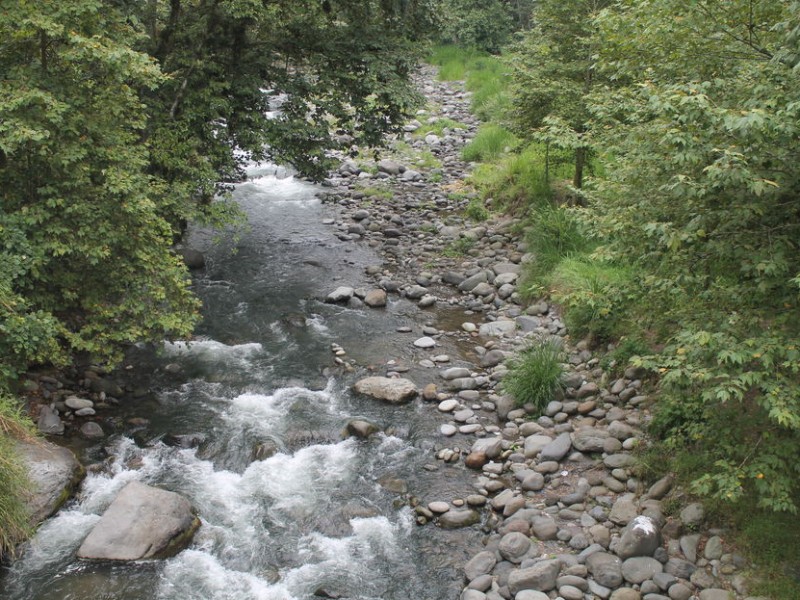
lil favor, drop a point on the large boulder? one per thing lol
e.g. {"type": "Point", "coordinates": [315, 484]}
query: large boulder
{"type": "Point", "coordinates": [54, 473]}
{"type": "Point", "coordinates": [142, 522]}
{"type": "Point", "coordinates": [390, 389]}
{"type": "Point", "coordinates": [640, 538]}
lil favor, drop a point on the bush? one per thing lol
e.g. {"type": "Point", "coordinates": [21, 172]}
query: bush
{"type": "Point", "coordinates": [490, 142]}
{"type": "Point", "coordinates": [594, 293]}
{"type": "Point", "coordinates": [534, 376]}
{"type": "Point", "coordinates": [14, 517]}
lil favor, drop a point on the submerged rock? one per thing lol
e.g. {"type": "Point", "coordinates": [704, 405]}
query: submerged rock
{"type": "Point", "coordinates": [142, 522]}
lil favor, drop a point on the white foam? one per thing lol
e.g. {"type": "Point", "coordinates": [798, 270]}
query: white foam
{"type": "Point", "coordinates": [196, 575]}
{"type": "Point", "coordinates": [211, 348]}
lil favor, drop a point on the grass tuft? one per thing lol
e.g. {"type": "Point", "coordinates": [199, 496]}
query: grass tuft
{"type": "Point", "coordinates": [534, 375]}
{"type": "Point", "coordinates": [491, 142]}
{"type": "Point", "coordinates": [14, 517]}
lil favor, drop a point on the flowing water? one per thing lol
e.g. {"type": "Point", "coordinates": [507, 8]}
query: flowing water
{"type": "Point", "coordinates": [315, 517]}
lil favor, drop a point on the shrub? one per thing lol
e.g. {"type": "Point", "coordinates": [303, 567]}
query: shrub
{"type": "Point", "coordinates": [476, 210]}
{"type": "Point", "coordinates": [534, 376]}
{"type": "Point", "coordinates": [555, 233]}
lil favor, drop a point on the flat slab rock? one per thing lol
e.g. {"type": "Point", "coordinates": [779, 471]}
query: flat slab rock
{"type": "Point", "coordinates": [142, 522]}
{"type": "Point", "coordinates": [390, 389]}
{"type": "Point", "coordinates": [54, 472]}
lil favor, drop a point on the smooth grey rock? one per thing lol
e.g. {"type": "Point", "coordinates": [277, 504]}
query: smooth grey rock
{"type": "Point", "coordinates": [640, 568]}
{"type": "Point", "coordinates": [533, 482]}
{"type": "Point", "coordinates": [626, 594]}
{"type": "Point", "coordinates": [395, 390]}
{"type": "Point", "coordinates": [425, 342]}
{"type": "Point", "coordinates": [531, 595]}
{"type": "Point", "coordinates": [661, 487]}
{"type": "Point", "coordinates": [142, 522]}
{"type": "Point", "coordinates": [540, 577]}
{"type": "Point", "coordinates": [568, 592]}
{"type": "Point", "coordinates": [605, 568]}
{"type": "Point", "coordinates": [340, 294]}
{"type": "Point", "coordinates": [480, 564]}
{"type": "Point", "coordinates": [535, 443]}
{"type": "Point", "coordinates": [454, 519]}
{"type": "Point", "coordinates": [544, 527]}
{"type": "Point", "coordinates": [497, 328]}
{"type": "Point", "coordinates": [640, 538]}
{"type": "Point", "coordinates": [454, 373]}
{"type": "Point", "coordinates": [76, 403]}
{"type": "Point", "coordinates": [513, 546]}
{"type": "Point", "coordinates": [92, 431]}
{"type": "Point", "coordinates": [492, 447]}
{"type": "Point", "coordinates": [682, 569]}
{"type": "Point", "coordinates": [589, 439]}
{"type": "Point", "coordinates": [557, 449]}
{"type": "Point", "coordinates": [392, 167]}
{"type": "Point", "coordinates": [468, 594]}
{"type": "Point", "coordinates": [375, 298]}
{"type": "Point", "coordinates": [49, 422]}
{"type": "Point", "coordinates": [680, 591]}
{"type": "Point", "coordinates": [54, 472]}
{"type": "Point", "coordinates": [624, 510]}
{"type": "Point", "coordinates": [468, 284]}
{"type": "Point", "coordinates": [693, 514]}
{"type": "Point", "coordinates": [619, 461]}
{"type": "Point", "coordinates": [689, 545]}
{"type": "Point", "coordinates": [713, 549]}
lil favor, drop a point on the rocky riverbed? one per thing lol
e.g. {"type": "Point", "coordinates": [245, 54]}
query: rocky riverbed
{"type": "Point", "coordinates": [556, 495]}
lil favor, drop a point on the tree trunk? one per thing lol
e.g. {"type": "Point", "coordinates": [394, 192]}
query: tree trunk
{"type": "Point", "coordinates": [580, 161]}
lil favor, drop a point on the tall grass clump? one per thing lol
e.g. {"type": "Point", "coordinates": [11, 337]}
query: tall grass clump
{"type": "Point", "coordinates": [554, 233]}
{"type": "Point", "coordinates": [535, 374]}
{"type": "Point", "coordinates": [453, 61]}
{"type": "Point", "coordinates": [14, 517]}
{"type": "Point", "coordinates": [490, 143]}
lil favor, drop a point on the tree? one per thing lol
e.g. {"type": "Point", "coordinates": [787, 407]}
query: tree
{"type": "Point", "coordinates": [554, 75]}
{"type": "Point", "coordinates": [702, 195]}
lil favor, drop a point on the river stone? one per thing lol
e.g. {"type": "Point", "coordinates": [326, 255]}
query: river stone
{"type": "Point", "coordinates": [54, 472]}
{"type": "Point", "coordinates": [438, 507]}
{"type": "Point", "coordinates": [361, 428]}
{"type": "Point", "coordinates": [533, 482]}
{"type": "Point", "coordinates": [497, 328]}
{"type": "Point", "coordinates": [375, 298]}
{"type": "Point", "coordinates": [453, 519]}
{"type": "Point", "coordinates": [76, 403]}
{"type": "Point", "coordinates": [540, 577]}
{"type": "Point", "coordinates": [569, 592]}
{"type": "Point", "coordinates": [531, 595]}
{"type": "Point", "coordinates": [640, 538]}
{"type": "Point", "coordinates": [49, 422]}
{"type": "Point", "coordinates": [544, 527]}
{"type": "Point", "coordinates": [619, 461]}
{"type": "Point", "coordinates": [605, 568]}
{"type": "Point", "coordinates": [688, 544]}
{"type": "Point", "coordinates": [492, 358]}
{"type": "Point", "coordinates": [661, 487]}
{"type": "Point", "coordinates": [340, 294]}
{"type": "Point", "coordinates": [624, 510]}
{"type": "Point", "coordinates": [395, 390]}
{"type": "Point", "coordinates": [514, 546]}
{"type": "Point", "coordinates": [491, 446]}
{"type": "Point", "coordinates": [92, 431]}
{"type": "Point", "coordinates": [448, 430]}
{"type": "Point", "coordinates": [454, 373]}
{"type": "Point", "coordinates": [535, 443]}
{"type": "Point", "coordinates": [557, 449]}
{"type": "Point", "coordinates": [640, 568]}
{"type": "Point", "coordinates": [713, 549]}
{"type": "Point", "coordinates": [481, 583]}
{"type": "Point", "coordinates": [448, 405]}
{"type": "Point", "coordinates": [626, 594]}
{"type": "Point", "coordinates": [682, 569]}
{"type": "Point", "coordinates": [693, 514]}
{"type": "Point", "coordinates": [142, 522]}
{"type": "Point", "coordinates": [468, 284]}
{"type": "Point", "coordinates": [392, 167]}
{"type": "Point", "coordinates": [425, 342]}
{"type": "Point", "coordinates": [470, 594]}
{"type": "Point", "coordinates": [589, 439]}
{"type": "Point", "coordinates": [680, 591]}
{"type": "Point", "coordinates": [480, 564]}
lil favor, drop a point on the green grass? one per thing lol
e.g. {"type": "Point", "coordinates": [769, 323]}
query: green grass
{"type": "Point", "coordinates": [476, 211]}
{"type": "Point", "coordinates": [489, 144]}
{"type": "Point", "coordinates": [375, 192]}
{"type": "Point", "coordinates": [14, 517]}
{"type": "Point", "coordinates": [459, 247]}
{"type": "Point", "coordinates": [534, 375]}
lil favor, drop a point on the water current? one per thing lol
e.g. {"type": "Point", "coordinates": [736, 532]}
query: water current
{"type": "Point", "coordinates": [317, 517]}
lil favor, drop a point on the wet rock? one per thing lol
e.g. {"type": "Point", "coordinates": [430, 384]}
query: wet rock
{"type": "Point", "coordinates": [425, 342]}
{"type": "Point", "coordinates": [375, 298]}
{"type": "Point", "coordinates": [142, 522]}
{"type": "Point", "coordinates": [54, 473]}
{"type": "Point", "coordinates": [395, 390]}
{"type": "Point", "coordinates": [92, 431]}
{"type": "Point", "coordinates": [340, 295]}
{"type": "Point", "coordinates": [49, 422]}
{"type": "Point", "coordinates": [361, 428]}
{"type": "Point", "coordinates": [454, 519]}
{"type": "Point", "coordinates": [263, 450]}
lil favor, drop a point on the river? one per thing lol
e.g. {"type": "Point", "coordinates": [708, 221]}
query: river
{"type": "Point", "coordinates": [323, 514]}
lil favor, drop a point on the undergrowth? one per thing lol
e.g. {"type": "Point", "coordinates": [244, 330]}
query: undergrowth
{"type": "Point", "coordinates": [14, 517]}
{"type": "Point", "coordinates": [535, 374]}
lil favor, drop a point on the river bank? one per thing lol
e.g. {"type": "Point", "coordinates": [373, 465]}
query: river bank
{"type": "Point", "coordinates": [548, 505]}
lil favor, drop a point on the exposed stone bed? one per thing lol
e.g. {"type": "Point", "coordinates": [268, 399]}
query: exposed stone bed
{"type": "Point", "coordinates": [564, 514]}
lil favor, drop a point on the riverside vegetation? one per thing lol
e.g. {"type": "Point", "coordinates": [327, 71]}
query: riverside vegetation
{"type": "Point", "coordinates": [652, 163]}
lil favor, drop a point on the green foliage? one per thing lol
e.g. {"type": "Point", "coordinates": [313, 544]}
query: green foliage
{"type": "Point", "coordinates": [476, 211]}
{"type": "Point", "coordinates": [459, 247]}
{"type": "Point", "coordinates": [534, 375]}
{"type": "Point", "coordinates": [15, 523]}
{"type": "Point", "coordinates": [381, 193]}
{"type": "Point", "coordinates": [594, 293]}
{"type": "Point", "coordinates": [490, 142]}
{"type": "Point", "coordinates": [439, 127]}
{"type": "Point", "coordinates": [617, 360]}
{"type": "Point", "coordinates": [483, 24]}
